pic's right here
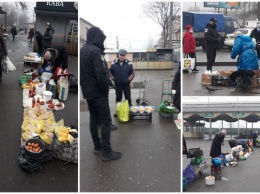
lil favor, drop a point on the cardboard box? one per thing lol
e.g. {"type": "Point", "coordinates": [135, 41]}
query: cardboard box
{"type": "Point", "coordinates": [257, 73]}
{"type": "Point", "coordinates": [225, 73]}
{"type": "Point", "coordinates": [206, 79]}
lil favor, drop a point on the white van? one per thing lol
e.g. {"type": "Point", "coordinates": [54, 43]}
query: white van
{"type": "Point", "coordinates": [252, 24]}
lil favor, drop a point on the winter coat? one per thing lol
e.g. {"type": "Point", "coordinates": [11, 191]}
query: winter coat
{"type": "Point", "coordinates": [2, 44]}
{"type": "Point", "coordinates": [215, 149]}
{"type": "Point", "coordinates": [14, 31]}
{"type": "Point", "coordinates": [31, 33]}
{"type": "Point", "coordinates": [94, 78]}
{"type": "Point", "coordinates": [255, 34]}
{"type": "Point", "coordinates": [245, 48]}
{"type": "Point", "coordinates": [212, 37]}
{"type": "Point", "coordinates": [60, 57]}
{"type": "Point", "coordinates": [47, 37]}
{"type": "Point", "coordinates": [176, 85]}
{"type": "Point", "coordinates": [39, 38]}
{"type": "Point", "coordinates": [123, 74]}
{"type": "Point", "coordinates": [189, 43]}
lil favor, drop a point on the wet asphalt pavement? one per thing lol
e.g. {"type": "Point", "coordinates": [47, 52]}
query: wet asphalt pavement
{"type": "Point", "coordinates": [55, 176]}
{"type": "Point", "coordinates": [192, 81]}
{"type": "Point", "coordinates": [243, 178]}
{"type": "Point", "coordinates": [151, 150]}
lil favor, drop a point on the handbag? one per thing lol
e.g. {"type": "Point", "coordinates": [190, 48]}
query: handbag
{"type": "Point", "coordinates": [188, 62]}
{"type": "Point", "coordinates": [4, 67]}
{"type": "Point", "coordinates": [65, 151]}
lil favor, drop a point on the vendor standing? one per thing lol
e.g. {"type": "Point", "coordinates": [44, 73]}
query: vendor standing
{"type": "Point", "coordinates": [217, 142]}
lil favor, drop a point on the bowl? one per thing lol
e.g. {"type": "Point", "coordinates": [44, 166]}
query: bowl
{"type": "Point", "coordinates": [210, 180]}
{"type": "Point", "coordinates": [31, 153]}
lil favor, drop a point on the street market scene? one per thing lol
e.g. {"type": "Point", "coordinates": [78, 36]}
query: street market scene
{"type": "Point", "coordinates": [39, 98]}
{"type": "Point", "coordinates": [220, 144]}
{"type": "Point", "coordinates": [130, 95]}
{"type": "Point", "coordinates": [224, 39]}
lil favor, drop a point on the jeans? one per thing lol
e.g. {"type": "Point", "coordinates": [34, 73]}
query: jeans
{"type": "Point", "coordinates": [127, 93]}
{"type": "Point", "coordinates": [100, 111]}
{"type": "Point", "coordinates": [211, 56]}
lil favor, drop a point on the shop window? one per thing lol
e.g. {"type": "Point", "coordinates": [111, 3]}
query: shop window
{"type": "Point", "coordinates": [143, 56]}
{"type": "Point", "coordinates": [72, 36]}
{"type": "Point", "coordinates": [136, 56]}
{"type": "Point", "coordinates": [152, 57]}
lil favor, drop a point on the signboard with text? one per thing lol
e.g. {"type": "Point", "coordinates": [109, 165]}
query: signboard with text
{"type": "Point", "coordinates": [238, 114]}
{"type": "Point", "coordinates": [208, 115]}
{"type": "Point", "coordinates": [227, 5]}
{"type": "Point", "coordinates": [64, 6]}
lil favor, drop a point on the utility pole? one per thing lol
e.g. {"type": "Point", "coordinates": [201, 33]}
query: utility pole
{"type": "Point", "coordinates": [170, 39]}
{"type": "Point", "coordinates": [117, 43]}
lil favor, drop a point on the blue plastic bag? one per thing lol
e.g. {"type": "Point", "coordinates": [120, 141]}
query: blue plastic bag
{"type": "Point", "coordinates": [224, 161]}
{"type": "Point", "coordinates": [189, 173]}
{"type": "Point", "coordinates": [216, 162]}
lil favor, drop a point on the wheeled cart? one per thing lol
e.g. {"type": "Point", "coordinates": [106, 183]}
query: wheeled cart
{"type": "Point", "coordinates": [196, 152]}
{"type": "Point", "coordinates": [167, 107]}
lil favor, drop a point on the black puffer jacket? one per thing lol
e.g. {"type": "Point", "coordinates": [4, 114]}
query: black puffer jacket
{"type": "Point", "coordinates": [60, 57]}
{"type": "Point", "coordinates": [94, 78]}
{"type": "Point", "coordinates": [123, 74]}
{"type": "Point", "coordinates": [212, 37]}
{"type": "Point", "coordinates": [176, 85]}
{"type": "Point", "coordinates": [47, 37]}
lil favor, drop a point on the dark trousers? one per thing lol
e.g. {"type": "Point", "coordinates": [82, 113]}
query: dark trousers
{"type": "Point", "coordinates": [13, 37]}
{"type": "Point", "coordinates": [193, 55]}
{"type": "Point", "coordinates": [211, 56]}
{"type": "Point", "coordinates": [100, 111]}
{"type": "Point", "coordinates": [127, 93]}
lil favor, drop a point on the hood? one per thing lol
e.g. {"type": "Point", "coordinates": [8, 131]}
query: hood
{"type": "Point", "coordinates": [50, 28]}
{"type": "Point", "coordinates": [245, 38]}
{"type": "Point", "coordinates": [96, 37]}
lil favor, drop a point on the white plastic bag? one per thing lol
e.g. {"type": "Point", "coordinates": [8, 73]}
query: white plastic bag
{"type": "Point", "coordinates": [63, 87]}
{"type": "Point", "coordinates": [10, 65]}
{"type": "Point", "coordinates": [188, 63]}
{"type": "Point", "coordinates": [45, 77]}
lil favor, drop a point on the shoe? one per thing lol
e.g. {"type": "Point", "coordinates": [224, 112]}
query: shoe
{"type": "Point", "coordinates": [115, 115]}
{"type": "Point", "coordinates": [112, 156]}
{"type": "Point", "coordinates": [195, 70]}
{"type": "Point", "coordinates": [185, 71]}
{"type": "Point", "coordinates": [214, 72]}
{"type": "Point", "coordinates": [97, 150]}
{"type": "Point", "coordinates": [113, 127]}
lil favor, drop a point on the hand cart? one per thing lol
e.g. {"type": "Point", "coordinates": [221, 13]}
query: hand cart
{"type": "Point", "coordinates": [167, 107]}
{"type": "Point", "coordinates": [196, 152]}
{"type": "Point", "coordinates": [141, 101]}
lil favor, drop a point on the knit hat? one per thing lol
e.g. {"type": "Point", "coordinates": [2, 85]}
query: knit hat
{"type": "Point", "coordinates": [47, 55]}
{"type": "Point", "coordinates": [237, 33]}
{"type": "Point", "coordinates": [223, 131]}
{"type": "Point", "coordinates": [188, 27]}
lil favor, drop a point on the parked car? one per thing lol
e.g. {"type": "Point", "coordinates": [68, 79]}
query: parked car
{"type": "Point", "coordinates": [230, 38]}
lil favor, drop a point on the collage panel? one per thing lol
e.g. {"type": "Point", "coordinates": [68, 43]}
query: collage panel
{"type": "Point", "coordinates": [130, 101]}
{"type": "Point", "coordinates": [221, 41]}
{"type": "Point", "coordinates": [220, 135]}
{"type": "Point", "coordinates": [39, 109]}
{"type": "Point", "coordinates": [220, 99]}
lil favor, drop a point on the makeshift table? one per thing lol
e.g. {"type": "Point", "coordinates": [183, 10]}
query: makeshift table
{"type": "Point", "coordinates": [32, 59]}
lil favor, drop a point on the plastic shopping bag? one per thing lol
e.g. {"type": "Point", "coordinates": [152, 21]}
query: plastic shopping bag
{"type": "Point", "coordinates": [122, 111]}
{"type": "Point", "coordinates": [63, 88]}
{"type": "Point", "coordinates": [10, 65]}
{"type": "Point", "coordinates": [188, 63]}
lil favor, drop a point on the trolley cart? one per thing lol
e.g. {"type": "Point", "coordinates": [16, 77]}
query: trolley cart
{"type": "Point", "coordinates": [196, 152]}
{"type": "Point", "coordinates": [167, 107]}
{"type": "Point", "coordinates": [141, 99]}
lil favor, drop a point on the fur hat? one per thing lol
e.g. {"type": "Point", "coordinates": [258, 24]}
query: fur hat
{"type": "Point", "coordinates": [223, 131]}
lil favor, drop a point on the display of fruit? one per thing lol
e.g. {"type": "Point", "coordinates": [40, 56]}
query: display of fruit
{"type": "Point", "coordinates": [33, 147]}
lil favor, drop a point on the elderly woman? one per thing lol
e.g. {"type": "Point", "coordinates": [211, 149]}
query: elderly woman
{"type": "Point", "coordinates": [217, 142]}
{"type": "Point", "coordinates": [245, 48]}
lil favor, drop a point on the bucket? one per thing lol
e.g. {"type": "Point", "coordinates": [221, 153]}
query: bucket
{"type": "Point", "coordinates": [47, 95]}
{"type": "Point", "coordinates": [40, 88]}
{"type": "Point", "coordinates": [210, 180]}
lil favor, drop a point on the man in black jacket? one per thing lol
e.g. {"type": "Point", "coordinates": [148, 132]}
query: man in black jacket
{"type": "Point", "coordinates": [95, 83]}
{"type": "Point", "coordinates": [212, 40]}
{"type": "Point", "coordinates": [122, 73]}
{"type": "Point", "coordinates": [256, 34]}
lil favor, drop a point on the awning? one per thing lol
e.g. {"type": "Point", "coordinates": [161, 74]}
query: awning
{"type": "Point", "coordinates": [71, 15]}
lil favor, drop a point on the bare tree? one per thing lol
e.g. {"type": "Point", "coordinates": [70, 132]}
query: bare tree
{"type": "Point", "coordinates": [23, 5]}
{"type": "Point", "coordinates": [159, 12]}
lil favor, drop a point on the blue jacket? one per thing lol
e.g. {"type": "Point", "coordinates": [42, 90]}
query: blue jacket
{"type": "Point", "coordinates": [123, 74]}
{"type": "Point", "coordinates": [245, 48]}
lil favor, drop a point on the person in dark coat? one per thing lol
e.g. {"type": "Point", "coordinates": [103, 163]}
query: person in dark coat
{"type": "Point", "coordinates": [232, 143]}
{"type": "Point", "coordinates": [184, 146]}
{"type": "Point", "coordinates": [39, 39]}
{"type": "Point", "coordinates": [3, 51]}
{"type": "Point", "coordinates": [56, 56]}
{"type": "Point", "coordinates": [122, 73]}
{"type": "Point", "coordinates": [189, 46]}
{"type": "Point", "coordinates": [217, 142]}
{"type": "Point", "coordinates": [256, 34]}
{"type": "Point", "coordinates": [31, 35]}
{"type": "Point", "coordinates": [176, 85]}
{"type": "Point", "coordinates": [48, 36]}
{"type": "Point", "coordinates": [95, 83]}
{"type": "Point", "coordinates": [254, 137]}
{"type": "Point", "coordinates": [212, 40]}
{"type": "Point", "coordinates": [14, 32]}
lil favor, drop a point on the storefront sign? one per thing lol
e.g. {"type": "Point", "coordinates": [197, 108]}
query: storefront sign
{"type": "Point", "coordinates": [227, 5]}
{"type": "Point", "coordinates": [57, 6]}
{"type": "Point", "coordinates": [208, 115]}
{"type": "Point", "coordinates": [238, 114]}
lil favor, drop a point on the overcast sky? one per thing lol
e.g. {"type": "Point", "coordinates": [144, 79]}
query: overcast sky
{"type": "Point", "coordinates": [123, 19]}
